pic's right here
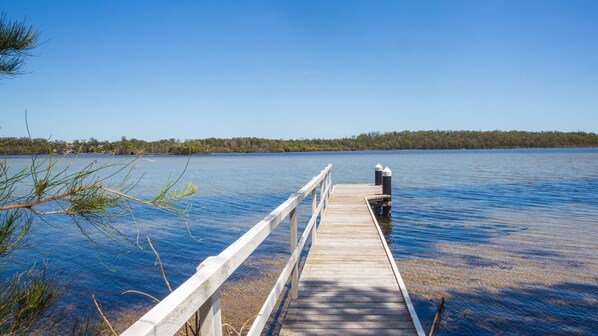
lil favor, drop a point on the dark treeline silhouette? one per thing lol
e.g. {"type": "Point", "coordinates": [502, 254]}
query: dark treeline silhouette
{"type": "Point", "coordinates": [366, 141]}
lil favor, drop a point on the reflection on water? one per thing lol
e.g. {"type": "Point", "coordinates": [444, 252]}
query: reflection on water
{"type": "Point", "coordinates": [385, 223]}
{"type": "Point", "coordinates": [508, 237]}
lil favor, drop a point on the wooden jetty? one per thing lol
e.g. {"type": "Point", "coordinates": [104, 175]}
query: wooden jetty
{"type": "Point", "coordinates": [350, 284]}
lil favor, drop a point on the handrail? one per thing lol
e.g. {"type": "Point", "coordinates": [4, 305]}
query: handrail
{"type": "Point", "coordinates": [201, 291]}
{"type": "Point", "coordinates": [262, 317]}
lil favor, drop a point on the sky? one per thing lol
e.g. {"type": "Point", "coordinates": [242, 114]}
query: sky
{"type": "Point", "coordinates": [302, 69]}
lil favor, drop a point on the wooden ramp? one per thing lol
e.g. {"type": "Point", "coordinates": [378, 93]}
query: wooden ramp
{"type": "Point", "coordinates": [350, 284]}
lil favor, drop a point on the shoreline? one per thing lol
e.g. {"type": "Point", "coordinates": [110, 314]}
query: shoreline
{"type": "Point", "coordinates": [312, 152]}
{"type": "Point", "coordinates": [372, 141]}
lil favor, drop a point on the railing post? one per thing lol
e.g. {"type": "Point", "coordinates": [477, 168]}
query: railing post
{"type": "Point", "coordinates": [314, 205]}
{"type": "Point", "coordinates": [326, 190]}
{"type": "Point", "coordinates": [293, 241]}
{"type": "Point", "coordinates": [329, 186]}
{"type": "Point", "coordinates": [322, 197]}
{"type": "Point", "coordinates": [210, 317]}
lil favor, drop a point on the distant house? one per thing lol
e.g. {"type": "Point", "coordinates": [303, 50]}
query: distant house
{"type": "Point", "coordinates": [68, 149]}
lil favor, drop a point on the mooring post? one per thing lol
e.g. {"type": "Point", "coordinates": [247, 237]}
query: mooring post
{"type": "Point", "coordinates": [293, 243]}
{"type": "Point", "coordinates": [377, 208]}
{"type": "Point", "coordinates": [387, 190]}
{"type": "Point", "coordinates": [378, 174]}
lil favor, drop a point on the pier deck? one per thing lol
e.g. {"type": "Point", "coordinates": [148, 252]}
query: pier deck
{"type": "Point", "coordinates": [350, 284]}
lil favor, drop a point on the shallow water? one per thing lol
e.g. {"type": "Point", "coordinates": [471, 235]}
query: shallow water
{"type": "Point", "coordinates": [508, 237]}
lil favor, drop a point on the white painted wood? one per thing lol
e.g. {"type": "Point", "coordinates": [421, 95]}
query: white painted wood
{"type": "Point", "coordinates": [172, 312]}
{"type": "Point", "coordinates": [328, 183]}
{"type": "Point", "coordinates": [322, 185]}
{"type": "Point", "coordinates": [210, 317]}
{"type": "Point", "coordinates": [325, 174]}
{"type": "Point", "coordinates": [293, 241]}
{"type": "Point", "coordinates": [313, 213]}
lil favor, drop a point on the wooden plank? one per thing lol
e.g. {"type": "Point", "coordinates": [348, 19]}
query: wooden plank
{"type": "Point", "coordinates": [380, 284]}
{"type": "Point", "coordinates": [307, 304]}
{"type": "Point", "coordinates": [385, 324]}
{"type": "Point", "coordinates": [347, 294]}
{"type": "Point", "coordinates": [402, 316]}
{"type": "Point", "coordinates": [346, 311]}
{"type": "Point", "coordinates": [344, 332]}
{"type": "Point", "coordinates": [367, 301]}
{"type": "Point", "coordinates": [350, 299]}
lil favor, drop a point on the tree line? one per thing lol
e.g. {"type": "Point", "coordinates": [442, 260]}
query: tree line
{"type": "Point", "coordinates": [367, 141]}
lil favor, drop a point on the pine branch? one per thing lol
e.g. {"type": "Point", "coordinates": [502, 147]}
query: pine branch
{"type": "Point", "coordinates": [16, 40]}
{"type": "Point", "coordinates": [30, 205]}
{"type": "Point", "coordinates": [160, 264]}
{"type": "Point", "coordinates": [102, 315]}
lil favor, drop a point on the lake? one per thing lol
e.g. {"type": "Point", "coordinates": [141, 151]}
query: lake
{"type": "Point", "coordinates": [508, 237]}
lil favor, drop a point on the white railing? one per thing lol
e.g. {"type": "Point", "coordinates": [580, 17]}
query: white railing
{"type": "Point", "coordinates": [200, 293]}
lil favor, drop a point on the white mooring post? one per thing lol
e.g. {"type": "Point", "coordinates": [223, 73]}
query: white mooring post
{"type": "Point", "coordinates": [387, 190]}
{"type": "Point", "coordinates": [378, 174]}
{"type": "Point", "coordinates": [378, 182]}
{"type": "Point", "coordinates": [386, 181]}
{"type": "Point", "coordinates": [293, 241]}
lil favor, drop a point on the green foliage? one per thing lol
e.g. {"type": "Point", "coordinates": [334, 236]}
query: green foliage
{"type": "Point", "coordinates": [13, 229]}
{"type": "Point", "coordinates": [23, 300]}
{"type": "Point", "coordinates": [366, 141]}
{"type": "Point", "coordinates": [16, 41]}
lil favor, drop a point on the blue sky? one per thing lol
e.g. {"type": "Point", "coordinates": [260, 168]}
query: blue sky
{"type": "Point", "coordinates": [302, 69]}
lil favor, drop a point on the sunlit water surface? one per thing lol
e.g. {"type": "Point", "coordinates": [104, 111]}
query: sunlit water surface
{"type": "Point", "coordinates": [508, 237]}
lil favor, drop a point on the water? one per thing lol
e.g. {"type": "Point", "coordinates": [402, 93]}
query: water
{"type": "Point", "coordinates": [508, 237]}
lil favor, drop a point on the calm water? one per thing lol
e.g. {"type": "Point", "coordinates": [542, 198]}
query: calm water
{"type": "Point", "coordinates": [508, 237]}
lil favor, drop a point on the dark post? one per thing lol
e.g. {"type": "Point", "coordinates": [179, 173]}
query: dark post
{"type": "Point", "coordinates": [378, 174]}
{"type": "Point", "coordinates": [386, 181]}
{"type": "Point", "coordinates": [387, 190]}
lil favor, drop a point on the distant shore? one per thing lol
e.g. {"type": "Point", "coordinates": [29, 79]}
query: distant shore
{"type": "Point", "coordinates": [374, 141]}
